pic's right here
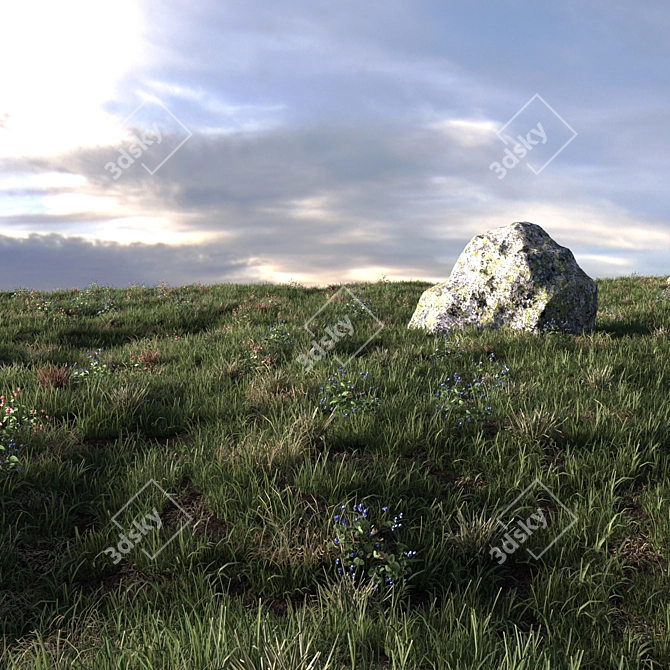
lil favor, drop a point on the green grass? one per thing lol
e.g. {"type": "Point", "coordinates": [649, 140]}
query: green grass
{"type": "Point", "coordinates": [235, 434]}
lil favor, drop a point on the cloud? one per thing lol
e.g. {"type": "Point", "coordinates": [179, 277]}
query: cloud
{"type": "Point", "coordinates": [330, 142]}
{"type": "Point", "coordinates": [47, 262]}
{"type": "Point", "coordinates": [313, 204]}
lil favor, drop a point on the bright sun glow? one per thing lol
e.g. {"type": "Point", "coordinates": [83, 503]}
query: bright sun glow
{"type": "Point", "coordinates": [60, 62]}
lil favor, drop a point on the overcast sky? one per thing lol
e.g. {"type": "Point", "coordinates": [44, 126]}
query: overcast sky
{"type": "Point", "coordinates": [277, 140]}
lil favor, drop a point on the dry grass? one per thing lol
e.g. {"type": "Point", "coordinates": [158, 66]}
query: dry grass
{"type": "Point", "coordinates": [474, 534]}
{"type": "Point", "coordinates": [53, 377]}
{"type": "Point", "coordinates": [147, 359]}
{"type": "Point", "coordinates": [272, 388]}
{"type": "Point", "coordinates": [127, 399]}
{"type": "Point", "coordinates": [540, 426]}
{"type": "Point", "coordinates": [597, 378]}
{"type": "Point", "coordinates": [275, 447]}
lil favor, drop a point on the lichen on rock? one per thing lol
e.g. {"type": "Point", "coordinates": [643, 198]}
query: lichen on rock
{"type": "Point", "coordinates": [516, 276]}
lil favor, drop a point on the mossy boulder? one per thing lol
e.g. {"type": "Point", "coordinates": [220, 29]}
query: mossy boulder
{"type": "Point", "coordinates": [516, 276]}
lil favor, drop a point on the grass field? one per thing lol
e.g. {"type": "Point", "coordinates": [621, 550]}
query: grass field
{"type": "Point", "coordinates": [192, 406]}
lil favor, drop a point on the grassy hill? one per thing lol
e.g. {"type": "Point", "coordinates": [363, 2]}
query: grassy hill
{"type": "Point", "coordinates": [250, 482]}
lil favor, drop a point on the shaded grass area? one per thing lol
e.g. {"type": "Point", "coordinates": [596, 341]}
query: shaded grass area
{"type": "Point", "coordinates": [199, 390]}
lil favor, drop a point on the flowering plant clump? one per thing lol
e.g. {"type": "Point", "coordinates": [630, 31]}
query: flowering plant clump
{"type": "Point", "coordinates": [182, 299]}
{"type": "Point", "coordinates": [255, 359]}
{"type": "Point", "coordinates": [14, 416]}
{"type": "Point", "coordinates": [365, 551]}
{"type": "Point", "coordinates": [357, 308]}
{"type": "Point", "coordinates": [448, 350]}
{"type": "Point", "coordinates": [339, 395]}
{"type": "Point", "coordinates": [146, 360]}
{"type": "Point", "coordinates": [40, 304]}
{"type": "Point", "coordinates": [93, 300]}
{"type": "Point", "coordinates": [90, 301]}
{"type": "Point", "coordinates": [94, 370]}
{"type": "Point", "coordinates": [45, 306]}
{"type": "Point", "coordinates": [34, 302]}
{"type": "Point", "coordinates": [59, 313]}
{"type": "Point", "coordinates": [665, 295]}
{"type": "Point", "coordinates": [136, 290]}
{"type": "Point", "coordinates": [9, 459]}
{"type": "Point", "coordinates": [278, 337]}
{"type": "Point", "coordinates": [556, 330]}
{"type": "Point", "coordinates": [242, 314]}
{"type": "Point", "coordinates": [456, 399]}
{"type": "Point", "coordinates": [164, 292]}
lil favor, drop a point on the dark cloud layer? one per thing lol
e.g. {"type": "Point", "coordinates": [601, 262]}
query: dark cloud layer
{"type": "Point", "coordinates": [47, 262]}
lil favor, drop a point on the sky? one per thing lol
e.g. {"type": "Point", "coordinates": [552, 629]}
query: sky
{"type": "Point", "coordinates": [280, 140]}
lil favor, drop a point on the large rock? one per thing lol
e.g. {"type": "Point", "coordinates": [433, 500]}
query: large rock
{"type": "Point", "coordinates": [514, 275]}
